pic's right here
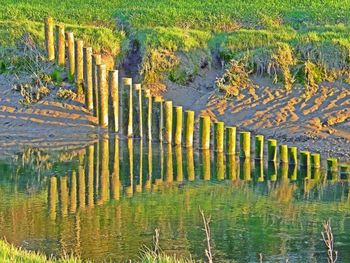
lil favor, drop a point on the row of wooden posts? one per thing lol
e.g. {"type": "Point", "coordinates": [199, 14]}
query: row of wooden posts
{"type": "Point", "coordinates": [133, 111]}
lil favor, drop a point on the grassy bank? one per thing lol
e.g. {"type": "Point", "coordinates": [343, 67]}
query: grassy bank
{"type": "Point", "coordinates": [11, 254]}
{"type": "Point", "coordinates": [294, 42]}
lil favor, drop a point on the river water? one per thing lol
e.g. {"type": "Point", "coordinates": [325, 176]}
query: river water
{"type": "Point", "coordinates": [104, 201]}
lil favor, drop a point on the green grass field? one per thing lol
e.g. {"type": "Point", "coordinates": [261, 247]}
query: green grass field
{"type": "Point", "coordinates": [261, 34]}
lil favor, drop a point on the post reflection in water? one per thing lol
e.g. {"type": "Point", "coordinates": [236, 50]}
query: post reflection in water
{"type": "Point", "coordinates": [125, 168]}
{"type": "Point", "coordinates": [190, 164]}
{"type": "Point", "coordinates": [231, 167]}
{"type": "Point", "coordinates": [219, 166]}
{"type": "Point", "coordinates": [205, 164]}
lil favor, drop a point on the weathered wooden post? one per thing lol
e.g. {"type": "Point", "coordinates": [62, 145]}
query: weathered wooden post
{"type": "Point", "coordinates": [103, 95]}
{"type": "Point", "coordinates": [114, 91]}
{"type": "Point", "coordinates": [283, 149]}
{"type": "Point", "coordinates": [60, 45]}
{"type": "Point", "coordinates": [79, 69]}
{"type": "Point", "coordinates": [219, 129]}
{"type": "Point", "coordinates": [96, 60]}
{"type": "Point", "coordinates": [231, 140]}
{"type": "Point", "coordinates": [189, 128]}
{"type": "Point", "coordinates": [244, 141]}
{"type": "Point", "coordinates": [304, 159]}
{"type": "Point", "coordinates": [71, 56]}
{"type": "Point", "coordinates": [87, 57]}
{"type": "Point", "coordinates": [139, 109]}
{"type": "Point", "coordinates": [168, 121]}
{"type": "Point", "coordinates": [315, 160]}
{"type": "Point", "coordinates": [259, 147]}
{"type": "Point", "coordinates": [204, 132]}
{"type": "Point", "coordinates": [157, 118]}
{"type": "Point", "coordinates": [293, 155]}
{"type": "Point", "coordinates": [149, 100]}
{"type": "Point", "coordinates": [177, 125]}
{"type": "Point", "coordinates": [49, 39]}
{"type": "Point", "coordinates": [271, 150]}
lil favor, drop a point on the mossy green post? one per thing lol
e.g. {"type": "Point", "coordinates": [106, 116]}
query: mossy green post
{"type": "Point", "coordinates": [96, 60]}
{"type": "Point", "coordinates": [49, 38]}
{"type": "Point", "coordinates": [189, 128]}
{"type": "Point", "coordinates": [114, 91]}
{"type": "Point", "coordinates": [231, 140]}
{"type": "Point", "coordinates": [138, 90]}
{"type": "Point", "coordinates": [283, 152]}
{"type": "Point", "coordinates": [315, 160]}
{"type": "Point", "coordinates": [259, 147]}
{"type": "Point", "coordinates": [79, 69]}
{"type": "Point", "coordinates": [272, 150]}
{"type": "Point", "coordinates": [219, 129]}
{"type": "Point", "coordinates": [332, 164]}
{"type": "Point", "coordinates": [178, 113]}
{"type": "Point", "coordinates": [204, 132]}
{"type": "Point", "coordinates": [244, 143]}
{"type": "Point", "coordinates": [168, 135]}
{"type": "Point", "coordinates": [304, 159]}
{"type": "Point", "coordinates": [103, 92]}
{"type": "Point", "coordinates": [70, 55]}
{"type": "Point", "coordinates": [60, 45]}
{"type": "Point", "coordinates": [89, 100]}
{"type": "Point", "coordinates": [293, 155]}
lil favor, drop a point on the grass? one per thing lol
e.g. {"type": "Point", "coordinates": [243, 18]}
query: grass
{"type": "Point", "coordinates": [175, 36]}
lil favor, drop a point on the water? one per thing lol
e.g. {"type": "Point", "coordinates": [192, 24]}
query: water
{"type": "Point", "coordinates": [105, 201]}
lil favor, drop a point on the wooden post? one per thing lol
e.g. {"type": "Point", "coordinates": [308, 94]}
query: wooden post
{"type": "Point", "coordinates": [304, 159]}
{"type": "Point", "coordinates": [244, 141]}
{"type": "Point", "coordinates": [190, 164]}
{"type": "Point", "coordinates": [179, 163]}
{"type": "Point", "coordinates": [293, 155]}
{"type": "Point", "coordinates": [189, 128]}
{"type": "Point", "coordinates": [219, 128]}
{"type": "Point", "coordinates": [245, 169]}
{"type": "Point", "coordinates": [49, 39]}
{"type": "Point", "coordinates": [96, 60]}
{"type": "Point", "coordinates": [53, 197]}
{"type": "Point", "coordinates": [87, 54]}
{"type": "Point", "coordinates": [114, 91]}
{"type": "Point", "coordinates": [128, 107]}
{"type": "Point", "coordinates": [315, 160]}
{"type": "Point", "coordinates": [231, 140]}
{"type": "Point", "coordinates": [169, 172]}
{"type": "Point", "coordinates": [204, 132]}
{"type": "Point", "coordinates": [259, 170]}
{"type": "Point", "coordinates": [157, 118]}
{"type": "Point", "coordinates": [60, 45]}
{"type": "Point", "coordinates": [73, 193]}
{"type": "Point", "coordinates": [139, 109]}
{"type": "Point", "coordinates": [259, 147]}
{"type": "Point", "coordinates": [271, 150]}
{"type": "Point", "coordinates": [219, 166]}
{"type": "Point", "coordinates": [103, 98]}
{"type": "Point", "coordinates": [232, 167]}
{"type": "Point", "coordinates": [70, 55]}
{"type": "Point", "coordinates": [79, 70]}
{"type": "Point", "coordinates": [206, 163]}
{"type": "Point", "coordinates": [283, 149]}
{"type": "Point", "coordinates": [168, 105]}
{"type": "Point", "coordinates": [177, 125]}
{"type": "Point", "coordinates": [148, 99]}
{"type": "Point", "coordinates": [272, 171]}
{"type": "Point", "coordinates": [332, 164]}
